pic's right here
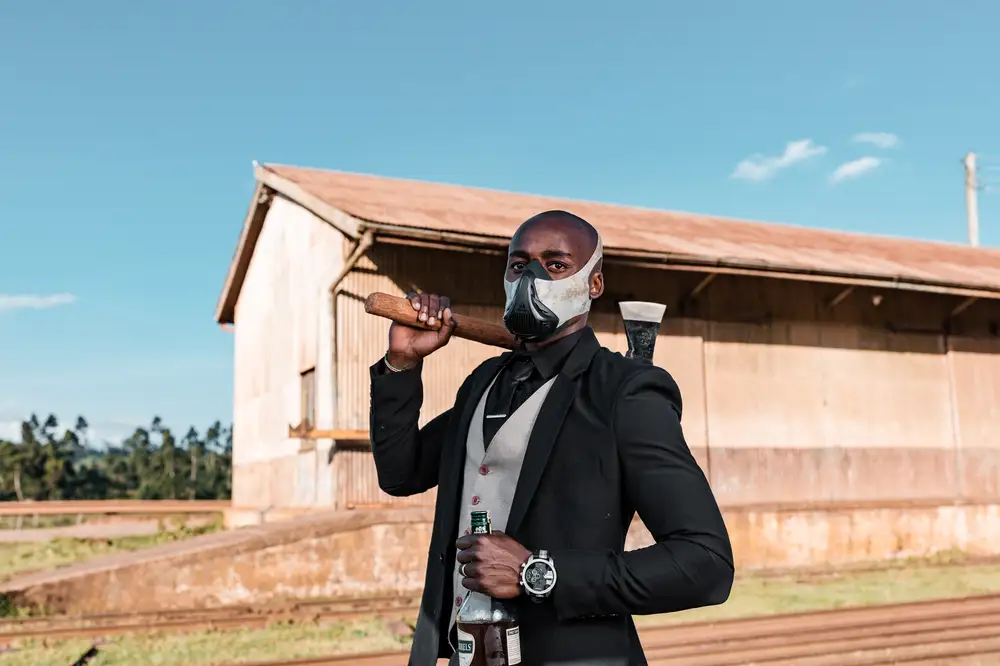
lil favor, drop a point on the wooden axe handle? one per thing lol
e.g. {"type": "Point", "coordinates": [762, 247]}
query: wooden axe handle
{"type": "Point", "coordinates": [399, 310]}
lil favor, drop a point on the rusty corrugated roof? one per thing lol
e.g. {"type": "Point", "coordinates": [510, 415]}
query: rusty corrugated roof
{"type": "Point", "coordinates": [482, 212]}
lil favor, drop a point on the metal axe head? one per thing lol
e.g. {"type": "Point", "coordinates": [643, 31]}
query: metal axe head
{"type": "Point", "coordinates": [642, 324]}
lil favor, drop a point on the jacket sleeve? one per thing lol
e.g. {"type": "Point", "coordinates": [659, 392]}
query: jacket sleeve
{"type": "Point", "coordinates": [407, 457]}
{"type": "Point", "coordinates": [691, 562]}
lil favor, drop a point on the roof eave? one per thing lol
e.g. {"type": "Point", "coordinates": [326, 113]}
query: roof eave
{"type": "Point", "coordinates": [269, 184]}
{"type": "Point", "coordinates": [225, 308]}
{"type": "Point", "coordinates": [694, 263]}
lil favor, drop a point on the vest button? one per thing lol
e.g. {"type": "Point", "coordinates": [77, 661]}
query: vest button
{"type": "Point", "coordinates": [458, 601]}
{"type": "Point", "coordinates": [468, 532]}
{"type": "Point", "coordinates": [484, 470]}
{"type": "Point", "coordinates": [475, 500]}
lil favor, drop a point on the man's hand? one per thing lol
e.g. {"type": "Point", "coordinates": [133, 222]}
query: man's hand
{"type": "Point", "coordinates": [407, 344]}
{"type": "Point", "coordinates": [492, 564]}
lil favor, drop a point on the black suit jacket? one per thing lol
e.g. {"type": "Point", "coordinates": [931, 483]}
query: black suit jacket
{"type": "Point", "coordinates": [606, 444]}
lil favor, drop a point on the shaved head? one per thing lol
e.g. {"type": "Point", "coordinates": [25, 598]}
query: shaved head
{"type": "Point", "coordinates": [563, 222]}
{"type": "Point", "coordinates": [562, 244]}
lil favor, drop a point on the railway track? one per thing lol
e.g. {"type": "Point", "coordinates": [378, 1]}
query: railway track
{"type": "Point", "coordinates": [928, 632]}
{"type": "Point", "coordinates": [16, 630]}
{"type": "Point", "coordinates": [916, 634]}
{"type": "Point", "coordinates": [13, 630]}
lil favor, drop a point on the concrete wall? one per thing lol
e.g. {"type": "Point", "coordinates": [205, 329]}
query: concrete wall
{"type": "Point", "coordinates": [318, 555]}
{"type": "Point", "coordinates": [283, 326]}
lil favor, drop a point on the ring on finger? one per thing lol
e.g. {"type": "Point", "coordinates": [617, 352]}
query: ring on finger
{"type": "Point", "coordinates": [461, 570]}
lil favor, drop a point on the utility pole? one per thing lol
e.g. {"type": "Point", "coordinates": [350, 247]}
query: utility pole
{"type": "Point", "coordinates": [971, 199]}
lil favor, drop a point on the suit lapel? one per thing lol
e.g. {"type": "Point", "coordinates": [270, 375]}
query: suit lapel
{"type": "Point", "coordinates": [450, 483]}
{"type": "Point", "coordinates": [548, 425]}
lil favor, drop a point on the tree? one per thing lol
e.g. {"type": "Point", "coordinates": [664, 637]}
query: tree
{"type": "Point", "coordinates": [51, 462]}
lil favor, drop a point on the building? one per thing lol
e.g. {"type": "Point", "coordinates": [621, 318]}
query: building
{"type": "Point", "coordinates": [815, 366]}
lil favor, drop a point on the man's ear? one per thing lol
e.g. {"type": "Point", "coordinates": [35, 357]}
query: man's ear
{"type": "Point", "coordinates": [596, 284]}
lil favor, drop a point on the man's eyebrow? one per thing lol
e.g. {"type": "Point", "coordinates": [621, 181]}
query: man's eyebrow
{"type": "Point", "coordinates": [556, 254]}
{"type": "Point", "coordinates": [545, 254]}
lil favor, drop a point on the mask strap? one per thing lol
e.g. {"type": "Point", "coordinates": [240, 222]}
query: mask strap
{"type": "Point", "coordinates": [594, 258]}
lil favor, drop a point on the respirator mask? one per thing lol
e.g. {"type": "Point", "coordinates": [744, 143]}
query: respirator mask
{"type": "Point", "coordinates": [538, 306]}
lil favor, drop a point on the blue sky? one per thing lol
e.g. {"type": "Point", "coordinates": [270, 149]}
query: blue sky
{"type": "Point", "coordinates": [127, 131]}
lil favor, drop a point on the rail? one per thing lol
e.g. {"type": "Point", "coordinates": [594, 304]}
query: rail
{"type": "Point", "coordinates": [17, 630]}
{"type": "Point", "coordinates": [929, 632]}
{"type": "Point", "coordinates": [924, 632]}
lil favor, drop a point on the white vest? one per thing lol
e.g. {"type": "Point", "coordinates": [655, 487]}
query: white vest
{"type": "Point", "coordinates": [491, 474]}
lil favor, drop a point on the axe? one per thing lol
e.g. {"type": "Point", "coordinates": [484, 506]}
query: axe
{"type": "Point", "coordinates": [642, 323]}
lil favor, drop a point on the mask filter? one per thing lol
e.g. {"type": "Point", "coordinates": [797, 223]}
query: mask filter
{"type": "Point", "coordinates": [538, 306]}
{"type": "Point", "coordinates": [526, 316]}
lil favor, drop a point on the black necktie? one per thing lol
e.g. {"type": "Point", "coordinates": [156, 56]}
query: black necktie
{"type": "Point", "coordinates": [521, 369]}
{"type": "Point", "coordinates": [510, 394]}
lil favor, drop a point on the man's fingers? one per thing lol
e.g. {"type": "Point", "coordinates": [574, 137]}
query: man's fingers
{"type": "Point", "coordinates": [433, 309]}
{"type": "Point", "coordinates": [414, 299]}
{"type": "Point", "coordinates": [425, 302]}
{"type": "Point", "coordinates": [448, 320]}
{"type": "Point", "coordinates": [448, 326]}
{"type": "Point", "coordinates": [475, 585]}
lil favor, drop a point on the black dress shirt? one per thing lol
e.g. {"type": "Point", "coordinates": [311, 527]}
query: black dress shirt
{"type": "Point", "coordinates": [524, 373]}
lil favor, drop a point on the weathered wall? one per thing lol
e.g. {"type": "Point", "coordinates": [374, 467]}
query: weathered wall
{"type": "Point", "coordinates": [317, 555]}
{"type": "Point", "coordinates": [786, 398]}
{"type": "Point", "coordinates": [283, 327]}
{"type": "Point", "coordinates": [975, 371]}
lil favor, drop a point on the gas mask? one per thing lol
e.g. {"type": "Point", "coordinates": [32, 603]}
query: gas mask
{"type": "Point", "coordinates": [538, 306]}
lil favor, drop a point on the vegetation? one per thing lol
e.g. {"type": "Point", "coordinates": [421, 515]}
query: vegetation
{"type": "Point", "coordinates": [33, 556]}
{"type": "Point", "coordinates": [53, 463]}
{"type": "Point", "coordinates": [914, 579]}
{"type": "Point", "coordinates": [210, 648]}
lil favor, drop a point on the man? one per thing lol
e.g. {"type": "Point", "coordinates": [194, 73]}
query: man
{"type": "Point", "coordinates": [563, 442]}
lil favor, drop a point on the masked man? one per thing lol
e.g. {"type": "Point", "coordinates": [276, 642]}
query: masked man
{"type": "Point", "coordinates": [563, 441]}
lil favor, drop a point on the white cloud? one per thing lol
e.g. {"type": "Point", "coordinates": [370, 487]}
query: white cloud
{"type": "Point", "coordinates": [10, 430]}
{"type": "Point", "coordinates": [855, 168]}
{"type": "Point", "coordinates": [34, 301]}
{"type": "Point", "coordinates": [877, 139]}
{"type": "Point", "coordinates": [761, 167]}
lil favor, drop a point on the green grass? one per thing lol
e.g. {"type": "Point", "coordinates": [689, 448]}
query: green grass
{"type": "Point", "coordinates": [752, 595]}
{"type": "Point", "coordinates": [19, 558]}
{"type": "Point", "coordinates": [757, 595]}
{"type": "Point", "coordinates": [208, 648]}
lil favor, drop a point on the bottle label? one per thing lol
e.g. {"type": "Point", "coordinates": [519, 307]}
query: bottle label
{"type": "Point", "coordinates": [513, 646]}
{"type": "Point", "coordinates": [466, 648]}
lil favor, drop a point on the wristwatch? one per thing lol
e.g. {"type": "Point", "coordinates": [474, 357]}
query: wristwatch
{"type": "Point", "coordinates": [538, 575]}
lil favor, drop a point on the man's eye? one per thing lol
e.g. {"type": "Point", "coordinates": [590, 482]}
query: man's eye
{"type": "Point", "coordinates": [517, 265]}
{"type": "Point", "coordinates": [557, 265]}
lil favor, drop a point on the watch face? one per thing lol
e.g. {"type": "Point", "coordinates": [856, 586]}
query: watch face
{"type": "Point", "coordinates": [538, 576]}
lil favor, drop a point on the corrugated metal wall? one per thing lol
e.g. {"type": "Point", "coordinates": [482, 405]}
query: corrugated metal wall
{"type": "Point", "coordinates": [785, 397]}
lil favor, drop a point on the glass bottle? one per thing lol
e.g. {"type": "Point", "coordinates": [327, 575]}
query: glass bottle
{"type": "Point", "coordinates": [487, 628]}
